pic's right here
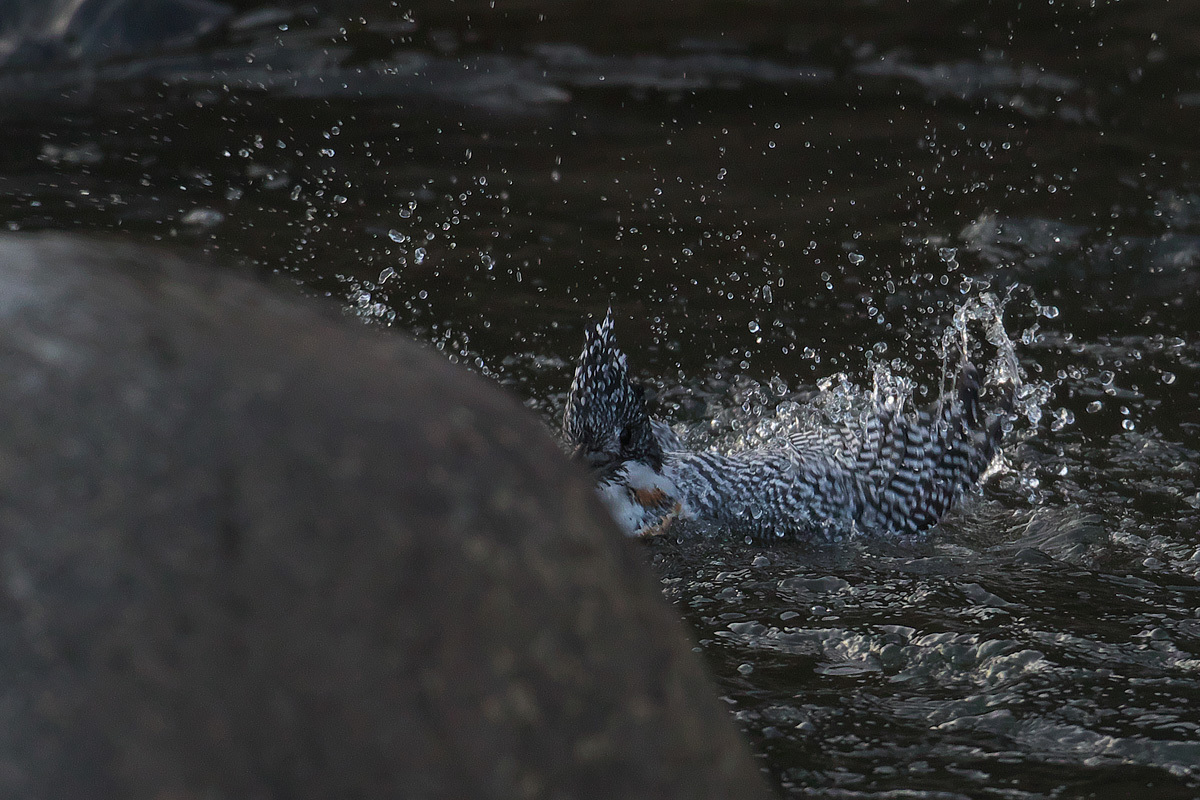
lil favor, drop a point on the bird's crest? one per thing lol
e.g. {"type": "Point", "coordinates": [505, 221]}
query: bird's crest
{"type": "Point", "coordinates": [606, 417]}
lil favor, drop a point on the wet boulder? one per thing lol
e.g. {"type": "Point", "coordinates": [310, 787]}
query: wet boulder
{"type": "Point", "coordinates": [252, 551]}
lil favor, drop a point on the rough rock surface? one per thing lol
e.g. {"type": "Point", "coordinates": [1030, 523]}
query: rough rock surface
{"type": "Point", "coordinates": [252, 552]}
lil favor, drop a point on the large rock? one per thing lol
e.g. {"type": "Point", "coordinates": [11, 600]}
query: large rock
{"type": "Point", "coordinates": [252, 552]}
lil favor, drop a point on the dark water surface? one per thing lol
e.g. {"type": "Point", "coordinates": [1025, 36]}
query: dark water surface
{"type": "Point", "coordinates": [770, 200]}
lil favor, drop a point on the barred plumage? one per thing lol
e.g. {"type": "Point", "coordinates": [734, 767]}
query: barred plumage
{"type": "Point", "coordinates": [891, 472]}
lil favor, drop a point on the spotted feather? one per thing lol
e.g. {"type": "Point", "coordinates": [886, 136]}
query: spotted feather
{"type": "Point", "coordinates": [892, 472]}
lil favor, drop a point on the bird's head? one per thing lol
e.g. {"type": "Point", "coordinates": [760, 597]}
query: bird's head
{"type": "Point", "coordinates": [606, 420]}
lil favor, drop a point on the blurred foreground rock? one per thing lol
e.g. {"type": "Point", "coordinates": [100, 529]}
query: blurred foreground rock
{"type": "Point", "coordinates": [252, 552]}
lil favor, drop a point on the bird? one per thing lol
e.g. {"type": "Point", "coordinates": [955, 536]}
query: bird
{"type": "Point", "coordinates": [889, 471]}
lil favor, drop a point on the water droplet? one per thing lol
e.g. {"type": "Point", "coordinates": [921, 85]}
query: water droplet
{"type": "Point", "coordinates": [1094, 406]}
{"type": "Point", "coordinates": [1168, 377]}
{"type": "Point", "coordinates": [856, 258]}
{"type": "Point", "coordinates": [419, 255]}
{"type": "Point", "coordinates": [1062, 418]}
{"type": "Point", "coordinates": [396, 236]}
{"type": "Point", "coordinates": [768, 297]}
{"type": "Point", "coordinates": [203, 217]}
{"type": "Point", "coordinates": [754, 328]}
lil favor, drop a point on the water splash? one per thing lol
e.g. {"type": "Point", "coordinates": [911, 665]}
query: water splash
{"type": "Point", "coordinates": [754, 414]}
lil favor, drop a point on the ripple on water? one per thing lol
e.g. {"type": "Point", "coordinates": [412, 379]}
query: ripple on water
{"type": "Point", "coordinates": [970, 658]}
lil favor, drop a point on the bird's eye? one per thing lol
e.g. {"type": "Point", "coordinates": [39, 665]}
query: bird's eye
{"type": "Point", "coordinates": [626, 437]}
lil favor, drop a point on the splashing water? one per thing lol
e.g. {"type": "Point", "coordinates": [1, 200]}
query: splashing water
{"type": "Point", "coordinates": [754, 415]}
